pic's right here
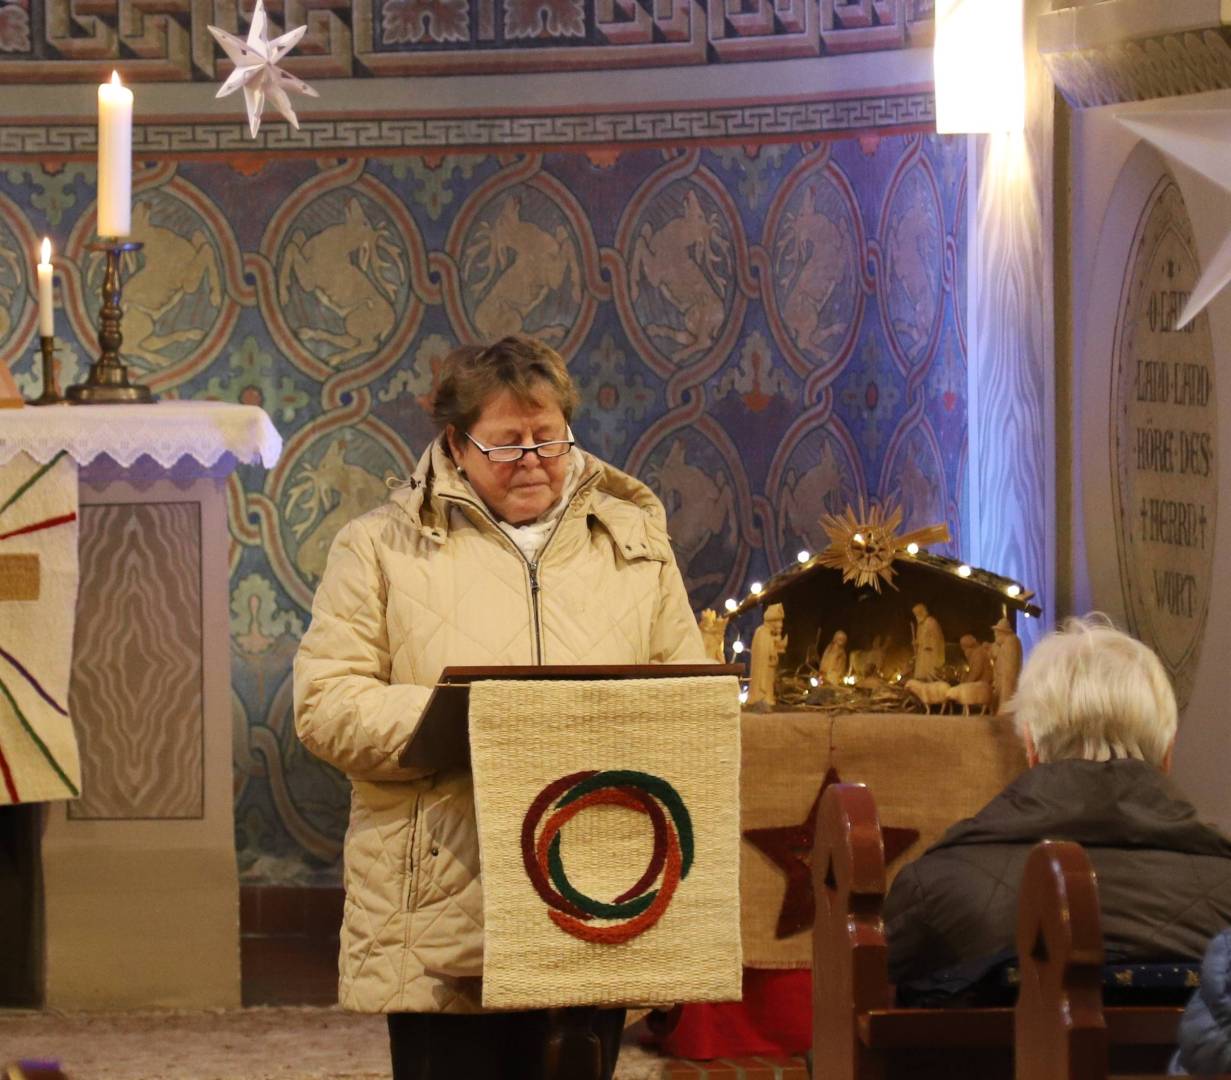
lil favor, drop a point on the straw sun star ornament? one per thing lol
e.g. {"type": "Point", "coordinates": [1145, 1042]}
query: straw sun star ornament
{"type": "Point", "coordinates": [256, 69]}
{"type": "Point", "coordinates": [863, 545]}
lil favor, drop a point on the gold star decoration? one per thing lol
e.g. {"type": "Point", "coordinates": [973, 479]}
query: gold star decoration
{"type": "Point", "coordinates": [863, 545]}
{"type": "Point", "coordinates": [256, 69]}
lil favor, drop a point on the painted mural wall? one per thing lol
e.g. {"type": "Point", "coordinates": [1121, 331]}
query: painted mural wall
{"type": "Point", "coordinates": [763, 334]}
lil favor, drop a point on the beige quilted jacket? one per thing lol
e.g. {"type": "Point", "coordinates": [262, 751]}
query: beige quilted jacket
{"type": "Point", "coordinates": [425, 581]}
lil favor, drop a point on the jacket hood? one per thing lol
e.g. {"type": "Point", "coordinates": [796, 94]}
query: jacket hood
{"type": "Point", "coordinates": [1124, 803]}
{"type": "Point", "coordinates": [625, 506]}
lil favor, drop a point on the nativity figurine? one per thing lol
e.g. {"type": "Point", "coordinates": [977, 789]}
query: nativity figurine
{"type": "Point", "coordinates": [929, 644]}
{"type": "Point", "coordinates": [834, 663]}
{"type": "Point", "coordinates": [713, 634]}
{"type": "Point", "coordinates": [1006, 663]}
{"type": "Point", "coordinates": [768, 645]}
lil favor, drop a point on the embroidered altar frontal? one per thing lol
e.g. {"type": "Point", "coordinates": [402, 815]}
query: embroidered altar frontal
{"type": "Point", "coordinates": [39, 760]}
{"type": "Point", "coordinates": [608, 819]}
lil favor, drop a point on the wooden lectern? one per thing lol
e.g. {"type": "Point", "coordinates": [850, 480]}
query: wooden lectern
{"type": "Point", "coordinates": [441, 741]}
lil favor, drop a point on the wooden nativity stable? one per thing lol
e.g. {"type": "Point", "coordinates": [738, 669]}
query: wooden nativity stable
{"type": "Point", "coordinates": [818, 599]}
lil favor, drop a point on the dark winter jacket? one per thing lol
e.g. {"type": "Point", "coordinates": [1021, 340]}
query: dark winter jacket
{"type": "Point", "coordinates": [1164, 877]}
{"type": "Point", "coordinates": [1205, 1031]}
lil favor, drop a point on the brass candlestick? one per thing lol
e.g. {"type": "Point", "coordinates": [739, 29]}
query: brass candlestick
{"type": "Point", "coordinates": [108, 382]}
{"type": "Point", "coordinates": [51, 387]}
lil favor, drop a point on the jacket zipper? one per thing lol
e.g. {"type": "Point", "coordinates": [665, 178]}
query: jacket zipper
{"type": "Point", "coordinates": [532, 566]}
{"type": "Point", "coordinates": [534, 601]}
{"type": "Point", "coordinates": [412, 858]}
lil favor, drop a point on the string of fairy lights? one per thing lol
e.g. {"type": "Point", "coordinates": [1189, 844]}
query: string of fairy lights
{"type": "Point", "coordinates": [1012, 591]}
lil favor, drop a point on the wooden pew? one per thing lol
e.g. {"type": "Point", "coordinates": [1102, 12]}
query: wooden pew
{"type": "Point", "coordinates": [1060, 1032]}
{"type": "Point", "coordinates": [859, 1034]}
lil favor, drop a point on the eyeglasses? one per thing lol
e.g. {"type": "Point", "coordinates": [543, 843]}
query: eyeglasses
{"type": "Point", "coordinates": [503, 454]}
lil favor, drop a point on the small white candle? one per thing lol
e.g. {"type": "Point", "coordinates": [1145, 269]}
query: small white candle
{"type": "Point", "coordinates": [115, 158]}
{"type": "Point", "coordinates": [46, 299]}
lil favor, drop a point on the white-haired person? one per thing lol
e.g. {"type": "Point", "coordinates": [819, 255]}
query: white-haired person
{"type": "Point", "coordinates": [1098, 718]}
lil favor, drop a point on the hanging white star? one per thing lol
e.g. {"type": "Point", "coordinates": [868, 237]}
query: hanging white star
{"type": "Point", "coordinates": [257, 71]}
{"type": "Point", "coordinates": [1200, 139]}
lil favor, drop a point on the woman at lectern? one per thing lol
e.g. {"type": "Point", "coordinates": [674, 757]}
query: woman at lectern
{"type": "Point", "coordinates": [509, 545]}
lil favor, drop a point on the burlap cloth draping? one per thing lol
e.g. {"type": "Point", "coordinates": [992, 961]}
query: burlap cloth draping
{"type": "Point", "coordinates": [39, 760]}
{"type": "Point", "coordinates": [527, 736]}
{"type": "Point", "coordinates": [926, 772]}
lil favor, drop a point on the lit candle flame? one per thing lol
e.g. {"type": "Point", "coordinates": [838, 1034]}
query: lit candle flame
{"type": "Point", "coordinates": [115, 79]}
{"type": "Point", "coordinates": [45, 251]}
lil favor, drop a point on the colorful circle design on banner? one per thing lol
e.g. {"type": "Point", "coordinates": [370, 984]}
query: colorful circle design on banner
{"type": "Point", "coordinates": [637, 908]}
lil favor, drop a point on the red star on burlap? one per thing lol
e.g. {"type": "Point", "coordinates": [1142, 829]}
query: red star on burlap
{"type": "Point", "coordinates": [790, 847]}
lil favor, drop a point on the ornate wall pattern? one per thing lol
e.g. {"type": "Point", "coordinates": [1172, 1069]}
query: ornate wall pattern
{"type": "Point", "coordinates": [1162, 66]}
{"type": "Point", "coordinates": [827, 115]}
{"type": "Point", "coordinates": [168, 40]}
{"type": "Point", "coordinates": [763, 334]}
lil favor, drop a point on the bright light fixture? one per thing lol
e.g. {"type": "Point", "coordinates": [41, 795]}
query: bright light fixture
{"type": "Point", "coordinates": [979, 66]}
{"type": "Point", "coordinates": [737, 646]}
{"type": "Point", "coordinates": [963, 571]}
{"type": "Point", "coordinates": [912, 548]}
{"type": "Point", "coordinates": [755, 588]}
{"type": "Point", "coordinates": [731, 603]}
{"type": "Point", "coordinates": [1014, 590]}
{"type": "Point", "coordinates": [803, 557]}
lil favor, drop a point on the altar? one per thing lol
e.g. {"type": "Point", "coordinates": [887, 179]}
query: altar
{"type": "Point", "coordinates": [926, 773]}
{"type": "Point", "coordinates": [136, 875]}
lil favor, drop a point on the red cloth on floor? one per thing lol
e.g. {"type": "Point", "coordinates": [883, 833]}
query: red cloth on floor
{"type": "Point", "coordinates": [773, 1020]}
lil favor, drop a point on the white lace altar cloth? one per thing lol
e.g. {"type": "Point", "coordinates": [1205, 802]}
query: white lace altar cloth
{"type": "Point", "coordinates": [165, 430]}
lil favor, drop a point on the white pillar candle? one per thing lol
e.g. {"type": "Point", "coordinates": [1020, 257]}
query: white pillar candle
{"type": "Point", "coordinates": [115, 158]}
{"type": "Point", "coordinates": [46, 300]}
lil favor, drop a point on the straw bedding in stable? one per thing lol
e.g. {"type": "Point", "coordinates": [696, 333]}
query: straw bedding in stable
{"type": "Point", "coordinates": [609, 834]}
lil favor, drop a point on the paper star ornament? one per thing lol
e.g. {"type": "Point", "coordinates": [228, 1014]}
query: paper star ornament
{"type": "Point", "coordinates": [256, 69]}
{"type": "Point", "coordinates": [1200, 139]}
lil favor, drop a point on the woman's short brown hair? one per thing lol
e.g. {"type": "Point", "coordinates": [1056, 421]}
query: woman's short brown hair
{"type": "Point", "coordinates": [474, 374]}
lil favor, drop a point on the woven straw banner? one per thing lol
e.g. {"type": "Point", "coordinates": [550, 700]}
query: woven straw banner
{"type": "Point", "coordinates": [925, 772]}
{"type": "Point", "coordinates": [609, 834]}
{"type": "Point", "coordinates": [39, 760]}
